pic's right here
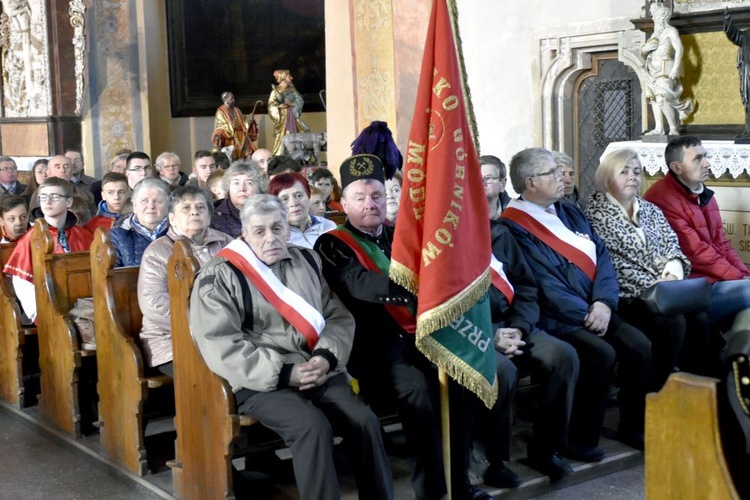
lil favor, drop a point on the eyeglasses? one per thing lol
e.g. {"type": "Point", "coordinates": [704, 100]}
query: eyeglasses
{"type": "Point", "coordinates": [491, 178]}
{"type": "Point", "coordinates": [76, 161]}
{"type": "Point", "coordinates": [54, 197]}
{"type": "Point", "coordinates": [139, 169]}
{"type": "Point", "coordinates": [554, 172]}
{"type": "Point", "coordinates": [8, 169]}
{"type": "Point", "coordinates": [170, 167]}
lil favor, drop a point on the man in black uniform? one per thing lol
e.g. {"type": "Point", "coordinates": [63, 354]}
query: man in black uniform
{"type": "Point", "coordinates": [384, 359]}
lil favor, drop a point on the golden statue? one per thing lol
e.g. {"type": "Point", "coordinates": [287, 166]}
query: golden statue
{"type": "Point", "coordinates": [231, 128]}
{"type": "Point", "coordinates": [285, 108]}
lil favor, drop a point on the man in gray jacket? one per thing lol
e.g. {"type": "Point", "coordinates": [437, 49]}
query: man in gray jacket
{"type": "Point", "coordinates": [264, 319]}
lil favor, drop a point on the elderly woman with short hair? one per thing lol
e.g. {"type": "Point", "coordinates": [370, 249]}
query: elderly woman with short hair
{"type": "Point", "coordinates": [645, 250]}
{"type": "Point", "coordinates": [569, 179]}
{"type": "Point", "coordinates": [243, 179]}
{"type": "Point", "coordinates": [168, 169]}
{"type": "Point", "coordinates": [294, 193]}
{"type": "Point", "coordinates": [132, 233]}
{"type": "Point", "coordinates": [190, 211]}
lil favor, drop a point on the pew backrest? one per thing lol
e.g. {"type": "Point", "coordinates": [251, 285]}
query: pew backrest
{"type": "Point", "coordinates": [684, 453]}
{"type": "Point", "coordinates": [122, 383]}
{"type": "Point", "coordinates": [11, 338]}
{"type": "Point", "coordinates": [60, 279]}
{"type": "Point", "coordinates": [206, 422]}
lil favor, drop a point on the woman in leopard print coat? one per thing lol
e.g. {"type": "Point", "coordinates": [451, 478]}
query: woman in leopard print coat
{"type": "Point", "coordinates": [644, 250]}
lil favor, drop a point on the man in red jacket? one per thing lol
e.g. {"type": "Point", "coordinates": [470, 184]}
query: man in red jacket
{"type": "Point", "coordinates": [692, 211]}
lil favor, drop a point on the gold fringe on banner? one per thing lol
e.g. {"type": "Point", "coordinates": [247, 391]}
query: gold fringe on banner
{"type": "Point", "coordinates": [404, 276]}
{"type": "Point", "coordinates": [442, 315]}
{"type": "Point", "coordinates": [459, 370]}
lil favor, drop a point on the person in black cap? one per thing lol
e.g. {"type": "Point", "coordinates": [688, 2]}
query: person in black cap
{"type": "Point", "coordinates": [389, 368]}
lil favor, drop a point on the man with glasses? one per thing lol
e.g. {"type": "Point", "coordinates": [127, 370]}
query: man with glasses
{"type": "Point", "coordinates": [494, 177]}
{"type": "Point", "coordinates": [9, 177]}
{"type": "Point", "coordinates": [55, 198]}
{"type": "Point", "coordinates": [137, 167]}
{"type": "Point", "coordinates": [577, 294]}
{"type": "Point", "coordinates": [77, 174]}
{"type": "Point", "coordinates": [60, 167]}
{"type": "Point", "coordinates": [168, 168]}
{"type": "Point", "coordinates": [204, 165]}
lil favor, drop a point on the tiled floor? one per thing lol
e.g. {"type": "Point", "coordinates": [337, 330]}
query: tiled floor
{"type": "Point", "coordinates": [38, 463]}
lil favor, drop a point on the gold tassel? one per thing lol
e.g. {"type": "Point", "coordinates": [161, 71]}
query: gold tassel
{"type": "Point", "coordinates": [458, 370]}
{"type": "Point", "coordinates": [444, 314]}
{"type": "Point", "coordinates": [403, 276]}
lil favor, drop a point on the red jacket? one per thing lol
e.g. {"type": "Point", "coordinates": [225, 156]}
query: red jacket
{"type": "Point", "coordinates": [699, 230]}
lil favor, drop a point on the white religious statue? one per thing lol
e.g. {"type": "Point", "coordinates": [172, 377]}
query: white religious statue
{"type": "Point", "coordinates": [663, 53]}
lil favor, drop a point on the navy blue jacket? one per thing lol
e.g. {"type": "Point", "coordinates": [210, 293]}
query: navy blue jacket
{"type": "Point", "coordinates": [565, 292]}
{"type": "Point", "coordinates": [523, 313]}
{"type": "Point", "coordinates": [130, 240]}
{"type": "Point", "coordinates": [226, 218]}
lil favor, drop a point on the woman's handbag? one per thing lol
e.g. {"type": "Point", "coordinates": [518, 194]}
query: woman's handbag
{"type": "Point", "coordinates": [678, 296]}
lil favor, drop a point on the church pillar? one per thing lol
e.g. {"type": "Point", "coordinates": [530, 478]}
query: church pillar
{"type": "Point", "coordinates": [373, 59]}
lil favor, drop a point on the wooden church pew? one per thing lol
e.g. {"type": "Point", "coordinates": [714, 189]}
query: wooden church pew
{"type": "Point", "coordinates": [122, 385]}
{"type": "Point", "coordinates": [12, 341]}
{"type": "Point", "coordinates": [206, 420]}
{"type": "Point", "coordinates": [684, 455]}
{"type": "Point", "coordinates": [60, 279]}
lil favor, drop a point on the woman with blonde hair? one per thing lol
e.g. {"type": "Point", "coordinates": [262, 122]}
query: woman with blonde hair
{"type": "Point", "coordinates": [644, 251]}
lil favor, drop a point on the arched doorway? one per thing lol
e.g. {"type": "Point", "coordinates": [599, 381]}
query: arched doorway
{"type": "Point", "coordinates": [607, 109]}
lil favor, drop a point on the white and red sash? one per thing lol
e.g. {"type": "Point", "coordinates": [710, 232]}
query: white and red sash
{"type": "Point", "coordinates": [295, 309]}
{"type": "Point", "coordinates": [500, 279]}
{"type": "Point", "coordinates": [552, 232]}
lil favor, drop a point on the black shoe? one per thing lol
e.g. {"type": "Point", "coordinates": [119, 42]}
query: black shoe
{"type": "Point", "coordinates": [473, 493]}
{"type": "Point", "coordinates": [552, 466]}
{"type": "Point", "coordinates": [582, 453]}
{"type": "Point", "coordinates": [498, 475]}
{"type": "Point", "coordinates": [633, 439]}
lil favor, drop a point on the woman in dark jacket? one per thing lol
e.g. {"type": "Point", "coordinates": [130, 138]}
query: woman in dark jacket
{"type": "Point", "coordinates": [241, 181]}
{"type": "Point", "coordinates": [134, 232]}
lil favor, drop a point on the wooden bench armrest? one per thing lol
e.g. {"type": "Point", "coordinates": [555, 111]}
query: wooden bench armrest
{"type": "Point", "coordinates": [684, 454]}
{"type": "Point", "coordinates": [246, 421]}
{"type": "Point", "coordinates": [159, 381]}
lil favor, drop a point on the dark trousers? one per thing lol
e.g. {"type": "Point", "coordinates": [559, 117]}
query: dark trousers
{"type": "Point", "coordinates": [305, 421]}
{"type": "Point", "coordinates": [493, 425]}
{"type": "Point", "coordinates": [553, 364]}
{"type": "Point", "coordinates": [597, 356]}
{"type": "Point", "coordinates": [166, 369]}
{"type": "Point", "coordinates": [412, 382]}
{"type": "Point", "coordinates": [667, 335]}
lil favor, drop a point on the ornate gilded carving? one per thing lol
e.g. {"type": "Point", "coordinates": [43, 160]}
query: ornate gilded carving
{"type": "Point", "coordinates": [77, 13]}
{"type": "Point", "coordinates": [374, 61]}
{"type": "Point", "coordinates": [690, 6]}
{"type": "Point", "coordinates": [110, 57]}
{"type": "Point", "coordinates": [23, 35]}
{"type": "Point", "coordinates": [711, 77]}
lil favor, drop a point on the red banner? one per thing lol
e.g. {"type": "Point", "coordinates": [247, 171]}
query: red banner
{"type": "Point", "coordinates": [442, 247]}
{"type": "Point", "coordinates": [442, 244]}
